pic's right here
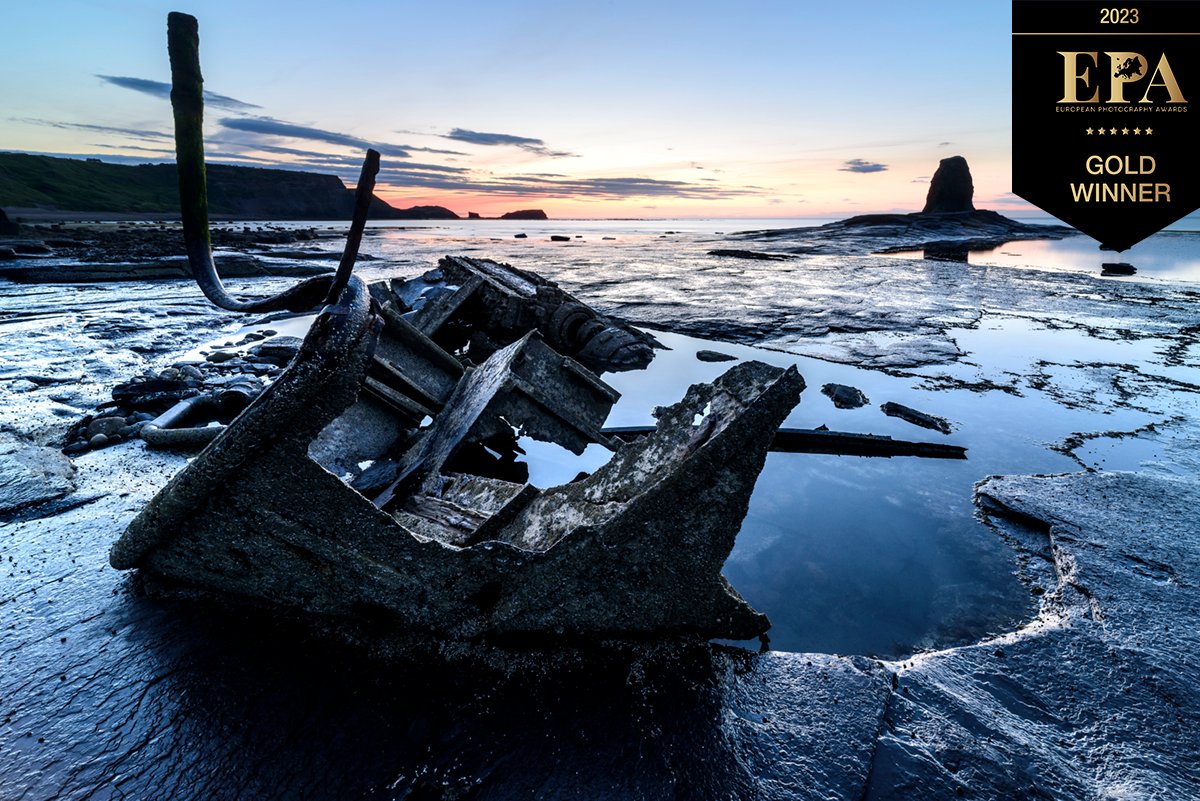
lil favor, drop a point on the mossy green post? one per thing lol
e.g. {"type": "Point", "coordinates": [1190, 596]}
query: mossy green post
{"type": "Point", "coordinates": [187, 102]}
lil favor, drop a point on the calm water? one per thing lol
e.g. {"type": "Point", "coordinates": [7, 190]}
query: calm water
{"type": "Point", "coordinates": [1170, 255]}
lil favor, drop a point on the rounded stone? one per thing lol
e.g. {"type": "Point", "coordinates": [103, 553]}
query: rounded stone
{"type": "Point", "coordinates": [105, 425]}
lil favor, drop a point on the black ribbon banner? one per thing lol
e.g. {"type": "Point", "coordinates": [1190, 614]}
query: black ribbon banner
{"type": "Point", "coordinates": [1103, 126]}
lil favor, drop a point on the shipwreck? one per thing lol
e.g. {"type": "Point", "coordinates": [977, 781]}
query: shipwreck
{"type": "Point", "coordinates": [374, 488]}
{"type": "Point", "coordinates": [373, 485]}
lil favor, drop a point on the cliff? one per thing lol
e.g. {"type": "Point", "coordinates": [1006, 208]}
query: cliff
{"type": "Point", "coordinates": [45, 182]}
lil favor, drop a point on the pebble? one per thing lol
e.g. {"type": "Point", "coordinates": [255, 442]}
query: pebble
{"type": "Point", "coordinates": [190, 371]}
{"type": "Point", "coordinates": [98, 441]}
{"type": "Point", "coordinates": [105, 426]}
{"type": "Point", "coordinates": [219, 356]}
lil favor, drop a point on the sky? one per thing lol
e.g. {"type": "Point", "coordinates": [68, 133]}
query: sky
{"type": "Point", "coordinates": [590, 110]}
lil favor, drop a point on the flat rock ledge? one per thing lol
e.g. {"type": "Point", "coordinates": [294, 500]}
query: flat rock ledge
{"type": "Point", "coordinates": [1093, 699]}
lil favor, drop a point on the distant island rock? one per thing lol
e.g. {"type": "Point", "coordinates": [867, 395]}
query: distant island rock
{"type": "Point", "coordinates": [948, 228]}
{"type": "Point", "coordinates": [525, 214]}
{"type": "Point", "coordinates": [949, 213]}
{"type": "Point", "coordinates": [951, 190]}
{"type": "Point", "coordinates": [414, 213]}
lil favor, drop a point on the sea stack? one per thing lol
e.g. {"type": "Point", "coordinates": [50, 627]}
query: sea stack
{"type": "Point", "coordinates": [7, 226]}
{"type": "Point", "coordinates": [951, 189]}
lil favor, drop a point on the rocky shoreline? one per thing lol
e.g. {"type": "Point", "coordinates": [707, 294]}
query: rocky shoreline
{"type": "Point", "coordinates": [1089, 698]}
{"type": "Point", "coordinates": [106, 690]}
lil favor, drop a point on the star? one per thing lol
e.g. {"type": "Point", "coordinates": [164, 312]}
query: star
{"type": "Point", "coordinates": [1125, 131]}
{"type": "Point", "coordinates": [1090, 130]}
{"type": "Point", "coordinates": [1149, 131]}
{"type": "Point", "coordinates": [1112, 131]}
{"type": "Point", "coordinates": [1137, 131]}
{"type": "Point", "coordinates": [1101, 132]}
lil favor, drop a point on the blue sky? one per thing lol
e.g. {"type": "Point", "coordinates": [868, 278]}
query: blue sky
{"type": "Point", "coordinates": [592, 110]}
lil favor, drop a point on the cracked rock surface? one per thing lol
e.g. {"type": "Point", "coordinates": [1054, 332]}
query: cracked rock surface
{"type": "Point", "coordinates": [1094, 699]}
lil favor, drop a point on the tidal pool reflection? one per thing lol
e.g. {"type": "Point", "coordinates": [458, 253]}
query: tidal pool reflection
{"type": "Point", "coordinates": [849, 554]}
{"type": "Point", "coordinates": [1167, 254]}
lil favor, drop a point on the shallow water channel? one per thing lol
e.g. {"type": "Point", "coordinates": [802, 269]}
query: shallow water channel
{"type": "Point", "coordinates": [851, 554]}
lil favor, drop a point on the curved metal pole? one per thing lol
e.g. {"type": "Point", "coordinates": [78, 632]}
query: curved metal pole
{"type": "Point", "coordinates": [187, 103]}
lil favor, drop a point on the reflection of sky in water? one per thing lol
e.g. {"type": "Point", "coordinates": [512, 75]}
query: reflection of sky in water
{"type": "Point", "coordinates": [870, 555]}
{"type": "Point", "coordinates": [1167, 254]}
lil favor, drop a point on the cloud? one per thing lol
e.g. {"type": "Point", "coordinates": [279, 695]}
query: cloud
{"type": "Point", "coordinates": [944, 144]}
{"type": "Point", "coordinates": [481, 138]}
{"type": "Point", "coordinates": [534, 186]}
{"type": "Point", "coordinates": [235, 148]}
{"type": "Point", "coordinates": [163, 90]}
{"type": "Point", "coordinates": [920, 179]}
{"type": "Point", "coordinates": [269, 126]}
{"type": "Point", "coordinates": [861, 165]}
{"type": "Point", "coordinates": [492, 139]}
{"type": "Point", "coordinates": [135, 133]}
{"type": "Point", "coordinates": [162, 152]}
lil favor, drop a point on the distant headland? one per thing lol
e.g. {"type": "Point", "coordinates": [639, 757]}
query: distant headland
{"type": "Point", "coordinates": [48, 187]}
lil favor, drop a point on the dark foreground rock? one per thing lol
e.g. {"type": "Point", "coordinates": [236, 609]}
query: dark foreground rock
{"type": "Point", "coordinates": [31, 474]}
{"type": "Point", "coordinates": [845, 397]}
{"type": "Point", "coordinates": [915, 417]}
{"type": "Point", "coordinates": [1117, 268]}
{"type": "Point", "coordinates": [734, 253]}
